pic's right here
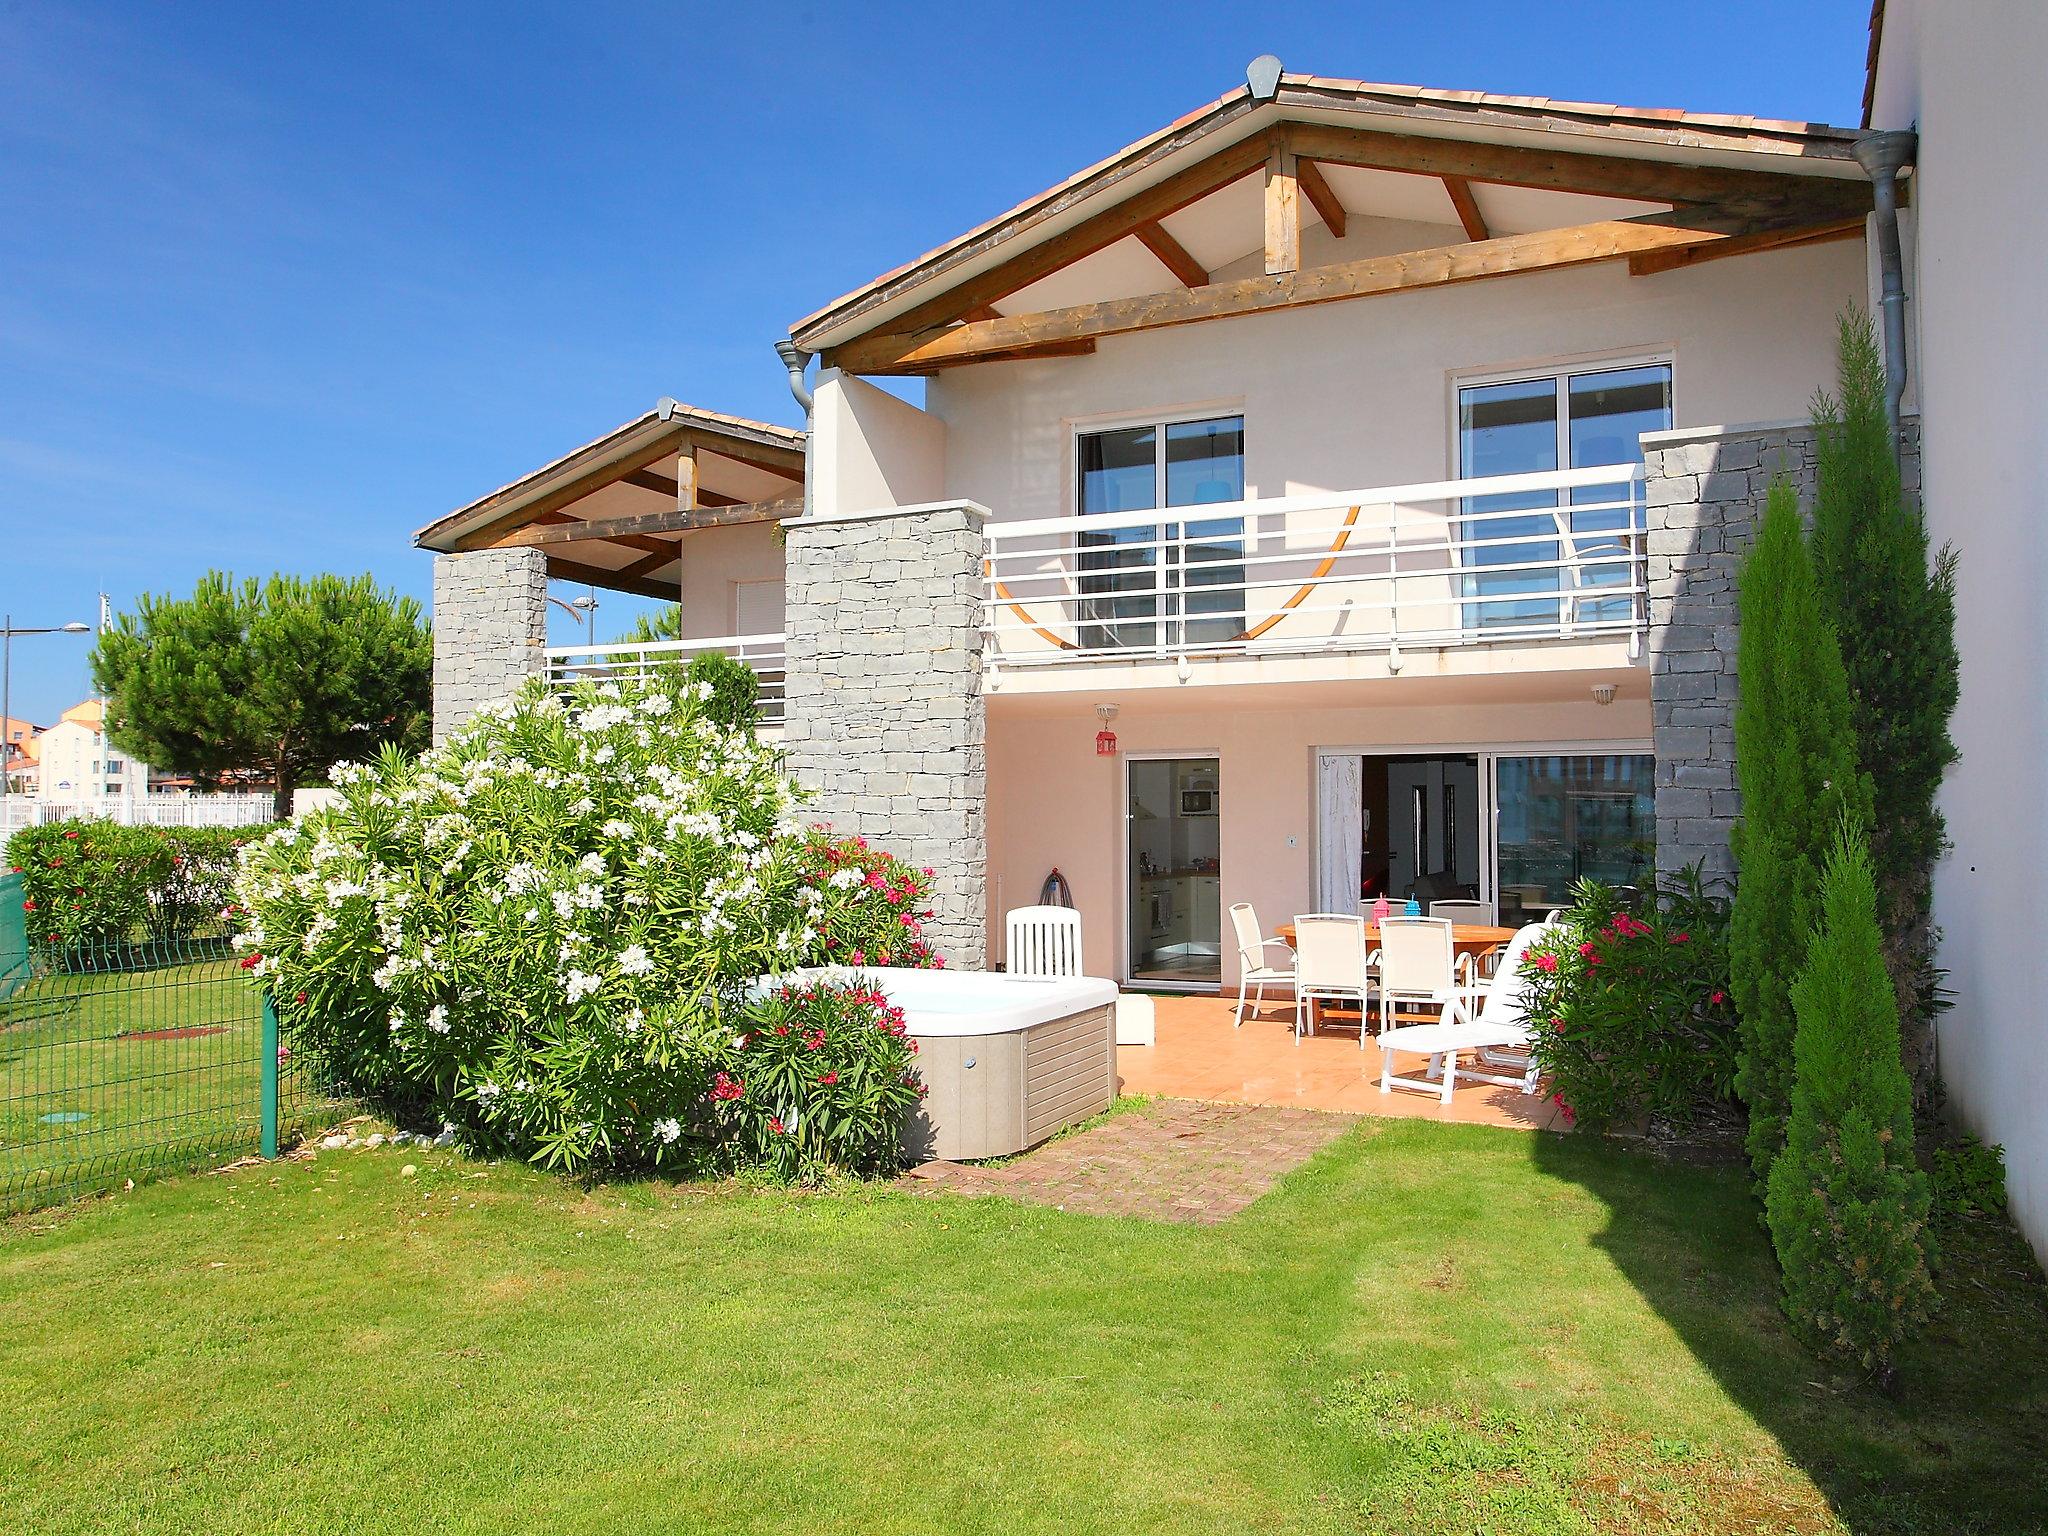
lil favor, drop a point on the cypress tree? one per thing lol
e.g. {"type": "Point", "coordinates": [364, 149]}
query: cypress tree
{"type": "Point", "coordinates": [1847, 1204]}
{"type": "Point", "coordinates": [1894, 611]}
{"type": "Point", "coordinates": [1795, 761]}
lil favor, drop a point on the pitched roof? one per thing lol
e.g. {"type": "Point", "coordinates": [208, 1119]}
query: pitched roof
{"type": "Point", "coordinates": [1667, 134]}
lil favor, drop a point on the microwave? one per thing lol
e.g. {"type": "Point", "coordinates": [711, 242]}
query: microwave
{"type": "Point", "coordinates": [1198, 802]}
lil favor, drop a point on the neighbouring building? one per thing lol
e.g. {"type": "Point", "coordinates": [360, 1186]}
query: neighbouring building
{"type": "Point", "coordinates": [76, 762]}
{"type": "Point", "coordinates": [1336, 493]}
{"type": "Point", "coordinates": [18, 754]}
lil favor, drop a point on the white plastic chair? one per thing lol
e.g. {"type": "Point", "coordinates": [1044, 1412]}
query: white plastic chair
{"type": "Point", "coordinates": [1419, 969]}
{"type": "Point", "coordinates": [1479, 913]}
{"type": "Point", "coordinates": [1330, 964]}
{"type": "Point", "coordinates": [1043, 941]}
{"type": "Point", "coordinates": [1253, 974]}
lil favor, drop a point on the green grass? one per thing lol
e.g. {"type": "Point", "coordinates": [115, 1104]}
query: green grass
{"type": "Point", "coordinates": [78, 1046]}
{"type": "Point", "coordinates": [1428, 1328]}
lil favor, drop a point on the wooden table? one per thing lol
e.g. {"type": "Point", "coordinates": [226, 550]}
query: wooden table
{"type": "Point", "coordinates": [1466, 938]}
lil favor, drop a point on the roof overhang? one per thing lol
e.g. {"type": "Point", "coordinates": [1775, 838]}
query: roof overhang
{"type": "Point", "coordinates": [616, 511]}
{"type": "Point", "coordinates": [1796, 152]}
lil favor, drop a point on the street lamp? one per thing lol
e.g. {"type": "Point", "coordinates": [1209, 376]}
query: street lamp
{"type": "Point", "coordinates": [7, 634]}
{"type": "Point", "coordinates": [584, 607]}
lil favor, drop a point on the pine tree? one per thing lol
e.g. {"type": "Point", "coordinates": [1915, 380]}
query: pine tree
{"type": "Point", "coordinates": [1894, 610]}
{"type": "Point", "coordinates": [1795, 761]}
{"type": "Point", "coordinates": [1847, 1203]}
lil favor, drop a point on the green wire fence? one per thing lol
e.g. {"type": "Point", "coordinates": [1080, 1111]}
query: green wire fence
{"type": "Point", "coordinates": [135, 1061]}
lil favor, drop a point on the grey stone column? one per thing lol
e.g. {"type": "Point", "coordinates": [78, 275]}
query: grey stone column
{"type": "Point", "coordinates": [490, 630]}
{"type": "Point", "coordinates": [1705, 491]}
{"type": "Point", "coordinates": [884, 717]}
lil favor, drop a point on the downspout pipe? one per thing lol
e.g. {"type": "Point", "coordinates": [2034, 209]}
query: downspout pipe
{"type": "Point", "coordinates": [796, 360]}
{"type": "Point", "coordinates": [1882, 154]}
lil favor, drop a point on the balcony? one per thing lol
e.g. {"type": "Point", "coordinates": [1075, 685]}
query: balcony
{"type": "Point", "coordinates": [1509, 560]}
{"type": "Point", "coordinates": [625, 662]}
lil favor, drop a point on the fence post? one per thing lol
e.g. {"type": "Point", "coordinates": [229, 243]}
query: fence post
{"type": "Point", "coordinates": [269, 1145]}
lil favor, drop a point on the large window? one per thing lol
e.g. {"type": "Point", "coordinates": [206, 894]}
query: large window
{"type": "Point", "coordinates": [1575, 419]}
{"type": "Point", "coordinates": [1563, 819]}
{"type": "Point", "coordinates": [1156, 585]}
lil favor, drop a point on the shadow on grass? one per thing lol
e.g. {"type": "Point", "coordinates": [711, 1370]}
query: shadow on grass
{"type": "Point", "coordinates": [1962, 1448]}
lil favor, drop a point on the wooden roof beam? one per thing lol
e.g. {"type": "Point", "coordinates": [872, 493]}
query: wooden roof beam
{"type": "Point", "coordinates": [1172, 255]}
{"type": "Point", "coordinates": [1468, 208]}
{"type": "Point", "coordinates": [1283, 209]}
{"type": "Point", "coordinates": [560, 569]}
{"type": "Point", "coordinates": [1604, 240]}
{"type": "Point", "coordinates": [638, 529]}
{"type": "Point", "coordinates": [1321, 195]}
{"type": "Point", "coordinates": [1647, 263]}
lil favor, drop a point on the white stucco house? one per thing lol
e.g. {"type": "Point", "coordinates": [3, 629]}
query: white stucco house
{"type": "Point", "coordinates": [1336, 492]}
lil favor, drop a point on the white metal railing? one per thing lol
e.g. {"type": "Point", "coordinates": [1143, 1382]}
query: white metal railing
{"type": "Point", "coordinates": [626, 661]}
{"type": "Point", "coordinates": [149, 810]}
{"type": "Point", "coordinates": [1556, 555]}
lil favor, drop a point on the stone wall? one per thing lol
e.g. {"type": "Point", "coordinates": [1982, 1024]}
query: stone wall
{"type": "Point", "coordinates": [490, 630]}
{"type": "Point", "coordinates": [1705, 491]}
{"type": "Point", "coordinates": [884, 713]}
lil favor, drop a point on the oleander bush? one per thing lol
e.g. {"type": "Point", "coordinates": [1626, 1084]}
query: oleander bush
{"type": "Point", "coordinates": [1630, 999]}
{"type": "Point", "coordinates": [549, 933]}
{"type": "Point", "coordinates": [95, 890]}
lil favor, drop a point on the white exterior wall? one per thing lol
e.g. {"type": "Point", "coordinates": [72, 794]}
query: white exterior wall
{"type": "Point", "coordinates": [1361, 393]}
{"type": "Point", "coordinates": [872, 450]}
{"type": "Point", "coordinates": [73, 765]}
{"type": "Point", "coordinates": [1980, 317]}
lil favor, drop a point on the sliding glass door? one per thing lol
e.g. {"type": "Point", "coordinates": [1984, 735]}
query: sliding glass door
{"type": "Point", "coordinates": [1566, 818]}
{"type": "Point", "coordinates": [1175, 873]}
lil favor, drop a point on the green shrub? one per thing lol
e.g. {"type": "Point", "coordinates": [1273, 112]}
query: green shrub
{"type": "Point", "coordinates": [94, 889]}
{"type": "Point", "coordinates": [1795, 760]}
{"type": "Point", "coordinates": [1894, 608]}
{"type": "Point", "coordinates": [822, 1078]}
{"type": "Point", "coordinates": [1630, 998]}
{"type": "Point", "coordinates": [1969, 1179]}
{"type": "Point", "coordinates": [1847, 1203]}
{"type": "Point", "coordinates": [549, 931]}
{"type": "Point", "coordinates": [735, 690]}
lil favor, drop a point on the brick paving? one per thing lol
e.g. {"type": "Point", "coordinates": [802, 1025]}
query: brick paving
{"type": "Point", "coordinates": [1173, 1160]}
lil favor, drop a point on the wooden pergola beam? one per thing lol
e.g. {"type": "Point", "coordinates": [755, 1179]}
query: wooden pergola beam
{"type": "Point", "coordinates": [1467, 205]}
{"type": "Point", "coordinates": [1407, 271]}
{"type": "Point", "coordinates": [1321, 195]}
{"type": "Point", "coordinates": [560, 569]}
{"type": "Point", "coordinates": [637, 529]}
{"type": "Point", "coordinates": [1656, 181]}
{"type": "Point", "coordinates": [1283, 209]}
{"type": "Point", "coordinates": [1172, 255]}
{"type": "Point", "coordinates": [485, 535]}
{"type": "Point", "coordinates": [1648, 263]}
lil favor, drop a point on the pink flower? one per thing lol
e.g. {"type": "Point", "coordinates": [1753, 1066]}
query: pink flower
{"type": "Point", "coordinates": [1544, 962]}
{"type": "Point", "coordinates": [725, 1089]}
{"type": "Point", "coordinates": [250, 962]}
{"type": "Point", "coordinates": [1718, 998]}
{"type": "Point", "coordinates": [775, 1125]}
{"type": "Point", "coordinates": [827, 1079]}
{"type": "Point", "coordinates": [1681, 938]}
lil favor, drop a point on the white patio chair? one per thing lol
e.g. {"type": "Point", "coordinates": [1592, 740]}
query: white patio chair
{"type": "Point", "coordinates": [1496, 1031]}
{"type": "Point", "coordinates": [1330, 964]}
{"type": "Point", "coordinates": [1043, 941]}
{"type": "Point", "coordinates": [1253, 973]}
{"type": "Point", "coordinates": [1478, 913]}
{"type": "Point", "coordinates": [1420, 969]}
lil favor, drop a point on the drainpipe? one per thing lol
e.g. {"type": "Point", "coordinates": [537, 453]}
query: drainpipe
{"type": "Point", "coordinates": [1882, 154]}
{"type": "Point", "coordinates": [796, 359]}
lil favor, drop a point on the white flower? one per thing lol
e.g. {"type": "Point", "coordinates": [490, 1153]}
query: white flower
{"type": "Point", "coordinates": [485, 1092]}
{"type": "Point", "coordinates": [635, 961]}
{"type": "Point", "coordinates": [668, 1130]}
{"type": "Point", "coordinates": [612, 828]}
{"type": "Point", "coordinates": [437, 1018]}
{"type": "Point", "coordinates": [580, 984]}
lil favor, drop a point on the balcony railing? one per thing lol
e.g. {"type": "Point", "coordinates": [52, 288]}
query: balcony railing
{"type": "Point", "coordinates": [567, 664]}
{"type": "Point", "coordinates": [1505, 558]}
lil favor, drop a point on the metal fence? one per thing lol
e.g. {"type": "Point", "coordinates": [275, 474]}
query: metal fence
{"type": "Point", "coordinates": [137, 1062]}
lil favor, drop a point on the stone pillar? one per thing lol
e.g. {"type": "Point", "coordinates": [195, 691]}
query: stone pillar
{"type": "Point", "coordinates": [490, 630]}
{"type": "Point", "coordinates": [883, 717]}
{"type": "Point", "coordinates": [1704, 492]}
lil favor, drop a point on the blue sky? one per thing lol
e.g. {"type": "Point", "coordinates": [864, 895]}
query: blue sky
{"type": "Point", "coordinates": [280, 283]}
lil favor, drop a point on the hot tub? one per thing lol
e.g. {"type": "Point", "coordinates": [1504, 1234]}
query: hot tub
{"type": "Point", "coordinates": [1006, 1060]}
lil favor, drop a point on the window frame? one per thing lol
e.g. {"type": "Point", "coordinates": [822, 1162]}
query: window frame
{"type": "Point", "coordinates": [1559, 371]}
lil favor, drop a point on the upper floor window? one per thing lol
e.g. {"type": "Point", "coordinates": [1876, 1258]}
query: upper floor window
{"type": "Point", "coordinates": [1162, 585]}
{"type": "Point", "coordinates": [1569, 419]}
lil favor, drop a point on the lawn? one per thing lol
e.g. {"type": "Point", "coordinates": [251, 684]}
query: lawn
{"type": "Point", "coordinates": [1427, 1328]}
{"type": "Point", "coordinates": [111, 1075]}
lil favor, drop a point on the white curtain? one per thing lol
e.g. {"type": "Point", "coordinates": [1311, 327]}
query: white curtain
{"type": "Point", "coordinates": [1340, 829]}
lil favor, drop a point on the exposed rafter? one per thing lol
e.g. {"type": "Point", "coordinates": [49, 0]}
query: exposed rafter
{"type": "Point", "coordinates": [638, 529]}
{"type": "Point", "coordinates": [1605, 240]}
{"type": "Point", "coordinates": [1283, 209]}
{"type": "Point", "coordinates": [1468, 208]}
{"type": "Point", "coordinates": [1648, 263]}
{"type": "Point", "coordinates": [1172, 254]}
{"type": "Point", "coordinates": [485, 534]}
{"type": "Point", "coordinates": [617, 581]}
{"type": "Point", "coordinates": [1322, 197]}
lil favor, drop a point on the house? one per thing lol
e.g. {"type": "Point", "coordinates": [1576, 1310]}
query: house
{"type": "Point", "coordinates": [78, 763]}
{"type": "Point", "coordinates": [1338, 493]}
{"type": "Point", "coordinates": [18, 751]}
{"type": "Point", "coordinates": [1976, 329]}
